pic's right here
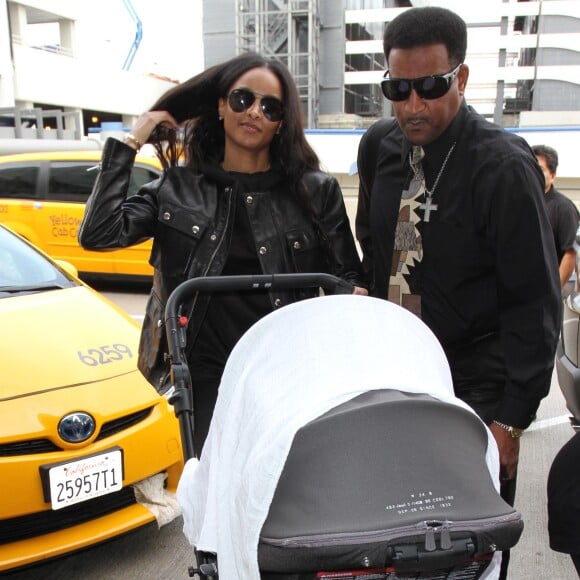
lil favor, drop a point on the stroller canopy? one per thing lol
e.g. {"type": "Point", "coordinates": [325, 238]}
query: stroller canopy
{"type": "Point", "coordinates": [288, 369]}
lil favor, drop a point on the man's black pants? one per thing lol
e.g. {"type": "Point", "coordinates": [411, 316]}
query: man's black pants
{"type": "Point", "coordinates": [478, 372]}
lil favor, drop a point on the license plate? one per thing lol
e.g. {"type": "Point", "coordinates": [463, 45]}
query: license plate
{"type": "Point", "coordinates": [84, 479]}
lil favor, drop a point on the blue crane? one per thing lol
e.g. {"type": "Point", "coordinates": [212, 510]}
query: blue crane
{"type": "Point", "coordinates": [138, 35]}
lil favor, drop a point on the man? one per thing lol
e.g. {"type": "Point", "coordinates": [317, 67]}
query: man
{"type": "Point", "coordinates": [562, 213]}
{"type": "Point", "coordinates": [461, 236]}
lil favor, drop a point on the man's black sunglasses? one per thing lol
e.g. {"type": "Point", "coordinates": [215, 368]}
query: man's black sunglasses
{"type": "Point", "coordinates": [241, 100]}
{"type": "Point", "coordinates": [431, 87]}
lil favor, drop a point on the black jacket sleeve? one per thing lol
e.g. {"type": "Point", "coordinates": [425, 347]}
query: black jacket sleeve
{"type": "Point", "coordinates": [343, 257]}
{"type": "Point", "coordinates": [379, 151]}
{"type": "Point", "coordinates": [111, 219]}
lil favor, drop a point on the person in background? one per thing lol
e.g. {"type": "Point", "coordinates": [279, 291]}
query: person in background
{"type": "Point", "coordinates": [563, 215]}
{"type": "Point", "coordinates": [247, 198]}
{"type": "Point", "coordinates": [452, 224]}
{"type": "Point", "coordinates": [564, 501]}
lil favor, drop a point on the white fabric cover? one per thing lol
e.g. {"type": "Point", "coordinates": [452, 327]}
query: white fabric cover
{"type": "Point", "coordinates": [162, 503]}
{"type": "Point", "coordinates": [289, 368]}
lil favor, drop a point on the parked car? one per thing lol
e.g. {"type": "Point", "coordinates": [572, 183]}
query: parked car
{"type": "Point", "coordinates": [80, 429]}
{"type": "Point", "coordinates": [568, 353]}
{"type": "Point", "coordinates": [43, 196]}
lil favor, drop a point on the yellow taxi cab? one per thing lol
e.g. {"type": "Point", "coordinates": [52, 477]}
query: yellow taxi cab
{"type": "Point", "coordinates": [85, 440]}
{"type": "Point", "coordinates": [43, 196]}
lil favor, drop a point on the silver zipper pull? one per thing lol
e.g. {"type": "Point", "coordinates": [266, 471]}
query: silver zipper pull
{"type": "Point", "coordinates": [445, 537]}
{"type": "Point", "coordinates": [430, 545]}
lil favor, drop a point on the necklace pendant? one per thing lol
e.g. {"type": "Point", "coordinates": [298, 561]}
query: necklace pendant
{"type": "Point", "coordinates": [428, 206]}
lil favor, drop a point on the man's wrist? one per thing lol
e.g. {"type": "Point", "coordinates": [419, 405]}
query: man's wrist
{"type": "Point", "coordinates": [515, 432]}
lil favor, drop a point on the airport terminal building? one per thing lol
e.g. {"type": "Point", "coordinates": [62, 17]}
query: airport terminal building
{"type": "Point", "coordinates": [524, 56]}
{"type": "Point", "coordinates": [524, 59]}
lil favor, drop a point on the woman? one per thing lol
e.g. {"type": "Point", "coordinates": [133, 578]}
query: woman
{"type": "Point", "coordinates": [248, 199]}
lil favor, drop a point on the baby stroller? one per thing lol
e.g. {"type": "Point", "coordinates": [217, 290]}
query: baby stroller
{"type": "Point", "coordinates": [337, 450]}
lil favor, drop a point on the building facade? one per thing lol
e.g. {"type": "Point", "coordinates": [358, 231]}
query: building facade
{"type": "Point", "coordinates": [524, 56]}
{"type": "Point", "coordinates": [55, 76]}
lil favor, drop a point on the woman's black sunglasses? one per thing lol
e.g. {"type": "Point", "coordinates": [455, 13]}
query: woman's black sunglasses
{"type": "Point", "coordinates": [241, 100]}
{"type": "Point", "coordinates": [431, 87]}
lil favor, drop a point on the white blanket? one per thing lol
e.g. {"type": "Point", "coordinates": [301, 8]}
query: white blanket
{"type": "Point", "coordinates": [289, 368]}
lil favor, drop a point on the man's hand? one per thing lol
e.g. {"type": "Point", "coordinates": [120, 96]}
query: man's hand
{"type": "Point", "coordinates": [509, 451]}
{"type": "Point", "coordinates": [361, 291]}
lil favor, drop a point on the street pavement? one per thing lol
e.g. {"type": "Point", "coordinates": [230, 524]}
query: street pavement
{"type": "Point", "coordinates": [532, 556]}
{"type": "Point", "coordinates": [150, 554]}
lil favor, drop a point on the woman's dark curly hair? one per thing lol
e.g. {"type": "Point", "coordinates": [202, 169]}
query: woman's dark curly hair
{"type": "Point", "coordinates": [194, 104]}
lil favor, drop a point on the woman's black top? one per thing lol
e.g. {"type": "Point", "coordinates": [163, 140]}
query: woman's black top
{"type": "Point", "coordinates": [230, 314]}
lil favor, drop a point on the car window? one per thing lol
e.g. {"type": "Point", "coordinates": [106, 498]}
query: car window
{"type": "Point", "coordinates": [22, 267]}
{"type": "Point", "coordinates": [74, 181]}
{"type": "Point", "coordinates": [71, 181]}
{"type": "Point", "coordinates": [19, 181]}
{"type": "Point", "coordinates": [139, 177]}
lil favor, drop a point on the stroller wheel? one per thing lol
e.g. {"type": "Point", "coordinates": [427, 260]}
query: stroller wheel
{"type": "Point", "coordinates": [207, 566]}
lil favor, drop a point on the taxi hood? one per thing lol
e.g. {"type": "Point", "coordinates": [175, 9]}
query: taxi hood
{"type": "Point", "coordinates": [62, 338]}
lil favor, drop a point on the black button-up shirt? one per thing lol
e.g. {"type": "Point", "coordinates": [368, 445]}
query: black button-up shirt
{"type": "Point", "coordinates": [489, 264]}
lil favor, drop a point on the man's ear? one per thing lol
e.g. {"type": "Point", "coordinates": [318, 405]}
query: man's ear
{"type": "Point", "coordinates": [462, 77]}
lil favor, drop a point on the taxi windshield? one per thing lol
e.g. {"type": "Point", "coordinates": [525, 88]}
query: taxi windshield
{"type": "Point", "coordinates": [24, 270]}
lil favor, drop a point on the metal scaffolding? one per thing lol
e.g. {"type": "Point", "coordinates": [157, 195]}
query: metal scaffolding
{"type": "Point", "coordinates": [289, 31]}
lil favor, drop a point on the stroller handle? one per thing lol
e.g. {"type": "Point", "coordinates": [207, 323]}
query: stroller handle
{"type": "Point", "coordinates": [181, 397]}
{"type": "Point", "coordinates": [253, 282]}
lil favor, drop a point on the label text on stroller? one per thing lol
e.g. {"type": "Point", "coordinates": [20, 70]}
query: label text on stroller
{"type": "Point", "coordinates": [421, 502]}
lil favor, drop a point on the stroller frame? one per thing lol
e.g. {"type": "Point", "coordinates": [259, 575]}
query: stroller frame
{"type": "Point", "coordinates": [176, 328]}
{"type": "Point", "coordinates": [405, 557]}
{"type": "Point", "coordinates": [181, 395]}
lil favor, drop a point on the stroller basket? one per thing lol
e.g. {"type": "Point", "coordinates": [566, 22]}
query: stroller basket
{"type": "Point", "coordinates": [387, 480]}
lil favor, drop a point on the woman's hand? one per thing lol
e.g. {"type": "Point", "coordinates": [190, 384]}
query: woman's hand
{"type": "Point", "coordinates": [148, 121]}
{"type": "Point", "coordinates": [360, 290]}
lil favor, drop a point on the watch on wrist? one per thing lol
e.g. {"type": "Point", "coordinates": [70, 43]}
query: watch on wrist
{"type": "Point", "coordinates": [515, 432]}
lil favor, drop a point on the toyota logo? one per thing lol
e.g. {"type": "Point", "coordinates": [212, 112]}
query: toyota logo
{"type": "Point", "coordinates": [76, 427]}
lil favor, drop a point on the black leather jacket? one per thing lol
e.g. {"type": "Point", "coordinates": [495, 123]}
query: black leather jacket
{"type": "Point", "coordinates": [188, 218]}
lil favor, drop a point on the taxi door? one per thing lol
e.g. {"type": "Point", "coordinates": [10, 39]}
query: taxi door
{"type": "Point", "coordinates": [66, 186]}
{"type": "Point", "coordinates": [18, 196]}
{"type": "Point", "coordinates": [43, 198]}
